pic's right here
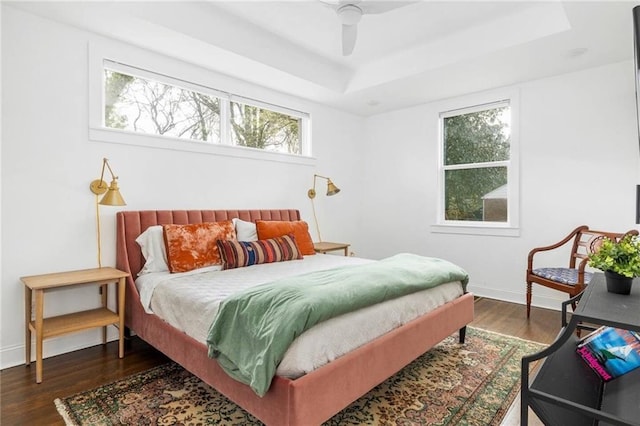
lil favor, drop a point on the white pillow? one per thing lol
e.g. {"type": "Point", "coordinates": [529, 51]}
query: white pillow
{"type": "Point", "coordinates": [245, 231]}
{"type": "Point", "coordinates": [151, 244]}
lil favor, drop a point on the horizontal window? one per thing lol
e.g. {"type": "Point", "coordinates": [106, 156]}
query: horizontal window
{"type": "Point", "coordinates": [256, 127]}
{"type": "Point", "coordinates": [147, 106]}
{"type": "Point", "coordinates": [131, 102]}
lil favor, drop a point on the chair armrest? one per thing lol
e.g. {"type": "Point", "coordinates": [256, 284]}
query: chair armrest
{"type": "Point", "coordinates": [581, 266]}
{"type": "Point", "coordinates": [554, 246]}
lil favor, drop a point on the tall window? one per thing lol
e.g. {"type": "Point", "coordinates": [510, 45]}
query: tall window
{"type": "Point", "coordinates": [140, 101]}
{"type": "Point", "coordinates": [476, 162]}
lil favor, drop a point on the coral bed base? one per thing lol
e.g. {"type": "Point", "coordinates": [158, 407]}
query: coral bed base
{"type": "Point", "coordinates": [310, 399]}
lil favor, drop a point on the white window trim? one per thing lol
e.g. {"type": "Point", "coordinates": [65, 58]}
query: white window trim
{"type": "Point", "coordinates": [147, 64]}
{"type": "Point", "coordinates": [472, 103]}
{"type": "Point", "coordinates": [305, 122]}
{"type": "Point", "coordinates": [162, 78]}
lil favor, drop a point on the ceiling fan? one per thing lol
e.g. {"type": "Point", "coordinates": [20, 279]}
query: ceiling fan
{"type": "Point", "coordinates": [350, 12]}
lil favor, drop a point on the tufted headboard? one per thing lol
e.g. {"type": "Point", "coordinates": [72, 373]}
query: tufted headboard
{"type": "Point", "coordinates": [130, 224]}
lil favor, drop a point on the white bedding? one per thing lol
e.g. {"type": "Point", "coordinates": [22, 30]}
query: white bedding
{"type": "Point", "coordinates": [189, 302]}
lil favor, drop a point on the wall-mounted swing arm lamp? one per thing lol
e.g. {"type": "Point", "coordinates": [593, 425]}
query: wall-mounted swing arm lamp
{"type": "Point", "coordinates": [112, 197]}
{"type": "Point", "coordinates": [332, 189]}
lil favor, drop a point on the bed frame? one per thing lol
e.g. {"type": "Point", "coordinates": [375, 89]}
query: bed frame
{"type": "Point", "coordinates": [312, 398]}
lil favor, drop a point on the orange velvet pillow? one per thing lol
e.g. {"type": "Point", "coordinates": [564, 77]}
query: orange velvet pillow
{"type": "Point", "coordinates": [194, 246]}
{"type": "Point", "coordinates": [274, 228]}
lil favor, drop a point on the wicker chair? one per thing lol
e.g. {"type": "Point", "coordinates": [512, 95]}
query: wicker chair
{"type": "Point", "coordinates": [571, 279]}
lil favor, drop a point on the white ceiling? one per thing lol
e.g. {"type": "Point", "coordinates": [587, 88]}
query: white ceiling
{"type": "Point", "coordinates": [418, 52]}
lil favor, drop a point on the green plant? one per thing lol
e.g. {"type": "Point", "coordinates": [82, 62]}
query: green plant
{"type": "Point", "coordinates": [622, 257]}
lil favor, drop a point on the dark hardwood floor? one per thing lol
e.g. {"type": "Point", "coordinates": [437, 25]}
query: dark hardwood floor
{"type": "Point", "coordinates": [511, 319]}
{"type": "Point", "coordinates": [23, 402]}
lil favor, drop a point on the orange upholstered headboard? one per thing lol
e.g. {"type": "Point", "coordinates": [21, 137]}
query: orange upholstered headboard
{"type": "Point", "coordinates": [130, 224]}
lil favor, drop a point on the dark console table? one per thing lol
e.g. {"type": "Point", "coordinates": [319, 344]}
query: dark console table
{"type": "Point", "coordinates": [565, 391]}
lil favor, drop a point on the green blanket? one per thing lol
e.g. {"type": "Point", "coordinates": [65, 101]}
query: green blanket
{"type": "Point", "coordinates": [254, 328]}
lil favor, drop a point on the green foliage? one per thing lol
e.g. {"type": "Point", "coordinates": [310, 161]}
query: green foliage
{"type": "Point", "coordinates": [478, 137]}
{"type": "Point", "coordinates": [115, 85]}
{"type": "Point", "coordinates": [260, 128]}
{"type": "Point", "coordinates": [622, 257]}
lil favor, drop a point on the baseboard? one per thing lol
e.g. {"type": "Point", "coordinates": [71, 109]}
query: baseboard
{"type": "Point", "coordinates": [15, 355]}
{"type": "Point", "coordinates": [517, 297]}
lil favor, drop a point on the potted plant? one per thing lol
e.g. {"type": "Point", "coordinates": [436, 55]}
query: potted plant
{"type": "Point", "coordinates": [620, 261]}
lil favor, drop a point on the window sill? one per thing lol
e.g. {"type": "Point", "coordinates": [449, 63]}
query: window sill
{"type": "Point", "coordinates": [176, 144]}
{"type": "Point", "coordinates": [497, 231]}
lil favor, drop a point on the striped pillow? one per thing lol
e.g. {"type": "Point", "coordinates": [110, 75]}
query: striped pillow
{"type": "Point", "coordinates": [237, 254]}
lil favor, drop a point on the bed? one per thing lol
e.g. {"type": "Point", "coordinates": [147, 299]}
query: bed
{"type": "Point", "coordinates": [311, 398]}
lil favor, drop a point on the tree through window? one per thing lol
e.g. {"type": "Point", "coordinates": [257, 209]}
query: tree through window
{"type": "Point", "coordinates": [261, 128]}
{"type": "Point", "coordinates": [475, 163]}
{"type": "Point", "coordinates": [146, 105]}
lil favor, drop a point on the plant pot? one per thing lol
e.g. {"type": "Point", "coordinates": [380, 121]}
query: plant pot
{"type": "Point", "coordinates": [617, 283]}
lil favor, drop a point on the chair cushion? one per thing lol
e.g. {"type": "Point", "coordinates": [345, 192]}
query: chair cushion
{"type": "Point", "coordinates": [562, 275]}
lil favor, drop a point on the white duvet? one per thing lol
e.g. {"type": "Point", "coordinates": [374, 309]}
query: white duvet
{"type": "Point", "coordinates": [189, 301]}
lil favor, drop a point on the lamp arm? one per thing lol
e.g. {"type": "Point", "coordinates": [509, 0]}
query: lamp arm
{"type": "Point", "coordinates": [312, 192]}
{"type": "Point", "coordinates": [99, 186]}
{"type": "Point", "coordinates": [105, 162]}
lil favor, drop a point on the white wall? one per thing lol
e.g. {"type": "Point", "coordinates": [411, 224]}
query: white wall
{"type": "Point", "coordinates": [579, 163]}
{"type": "Point", "coordinates": [48, 216]}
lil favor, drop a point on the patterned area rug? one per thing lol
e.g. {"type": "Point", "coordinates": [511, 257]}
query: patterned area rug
{"type": "Point", "coordinates": [452, 384]}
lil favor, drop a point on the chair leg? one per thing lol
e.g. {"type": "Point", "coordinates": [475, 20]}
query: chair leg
{"type": "Point", "coordinates": [528, 298]}
{"type": "Point", "coordinates": [574, 305]}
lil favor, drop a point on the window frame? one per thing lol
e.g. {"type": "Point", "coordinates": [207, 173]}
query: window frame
{"type": "Point", "coordinates": [304, 130]}
{"type": "Point", "coordinates": [465, 105]}
{"type": "Point", "coordinates": [166, 80]}
{"type": "Point", "coordinates": [145, 64]}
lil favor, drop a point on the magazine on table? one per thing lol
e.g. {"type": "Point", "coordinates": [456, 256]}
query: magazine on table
{"type": "Point", "coordinates": [611, 352]}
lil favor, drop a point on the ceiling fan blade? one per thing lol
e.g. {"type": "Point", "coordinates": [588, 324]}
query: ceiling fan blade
{"type": "Point", "coordinates": [329, 3]}
{"type": "Point", "coordinates": [349, 34]}
{"type": "Point", "coordinates": [336, 4]}
{"type": "Point", "coordinates": [375, 7]}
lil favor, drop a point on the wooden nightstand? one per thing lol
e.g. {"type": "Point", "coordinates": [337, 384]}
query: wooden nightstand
{"type": "Point", "coordinates": [63, 324]}
{"type": "Point", "coordinates": [324, 247]}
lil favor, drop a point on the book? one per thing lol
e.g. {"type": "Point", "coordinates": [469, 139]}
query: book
{"type": "Point", "coordinates": [610, 352]}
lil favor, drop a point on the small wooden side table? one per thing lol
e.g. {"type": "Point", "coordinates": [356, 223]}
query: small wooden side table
{"type": "Point", "coordinates": [77, 321]}
{"type": "Point", "coordinates": [324, 247]}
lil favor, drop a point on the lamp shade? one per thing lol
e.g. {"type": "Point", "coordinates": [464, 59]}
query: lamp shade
{"type": "Point", "coordinates": [113, 196]}
{"type": "Point", "coordinates": [331, 188]}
